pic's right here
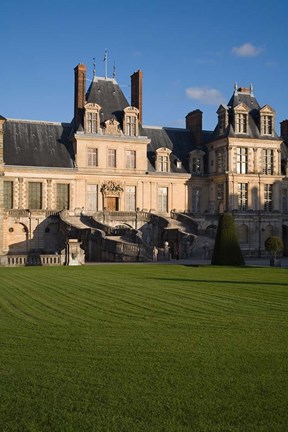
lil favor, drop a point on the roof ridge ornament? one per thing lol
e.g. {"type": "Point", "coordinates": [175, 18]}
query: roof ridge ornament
{"type": "Point", "coordinates": [251, 90]}
{"type": "Point", "coordinates": [235, 88]}
{"type": "Point", "coordinates": [114, 70]}
{"type": "Point", "coordinates": [94, 67]}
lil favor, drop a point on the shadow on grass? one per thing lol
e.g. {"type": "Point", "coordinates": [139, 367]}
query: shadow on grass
{"type": "Point", "coordinates": [221, 281]}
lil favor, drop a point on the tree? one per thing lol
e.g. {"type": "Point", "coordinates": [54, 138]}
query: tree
{"type": "Point", "coordinates": [226, 248]}
{"type": "Point", "coordinates": [273, 245]}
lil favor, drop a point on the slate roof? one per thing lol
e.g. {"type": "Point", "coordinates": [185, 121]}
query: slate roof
{"type": "Point", "coordinates": [107, 93]}
{"type": "Point", "coordinates": [246, 97]}
{"type": "Point", "coordinates": [179, 141]}
{"type": "Point", "coordinates": [31, 143]}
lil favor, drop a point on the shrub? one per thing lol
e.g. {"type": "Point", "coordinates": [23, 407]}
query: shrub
{"type": "Point", "coordinates": [227, 249]}
{"type": "Point", "coordinates": [273, 245]}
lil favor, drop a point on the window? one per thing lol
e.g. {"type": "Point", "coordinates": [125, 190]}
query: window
{"type": "Point", "coordinates": [163, 159]}
{"type": "Point", "coordinates": [92, 157]}
{"type": "Point", "coordinates": [63, 196]}
{"type": "Point", "coordinates": [241, 123]}
{"type": "Point", "coordinates": [91, 197]}
{"type": "Point", "coordinates": [130, 159]}
{"type": "Point", "coordinates": [196, 200]}
{"type": "Point", "coordinates": [220, 159]}
{"type": "Point", "coordinates": [131, 124]}
{"type": "Point", "coordinates": [92, 122]}
{"type": "Point", "coordinates": [130, 198]}
{"type": "Point", "coordinates": [196, 162]}
{"type": "Point", "coordinates": [163, 199]}
{"type": "Point", "coordinates": [242, 160]}
{"type": "Point", "coordinates": [267, 120]}
{"type": "Point", "coordinates": [220, 192]}
{"type": "Point", "coordinates": [242, 196]}
{"type": "Point", "coordinates": [267, 161]}
{"type": "Point", "coordinates": [8, 195]}
{"type": "Point", "coordinates": [111, 158]}
{"type": "Point", "coordinates": [267, 125]}
{"type": "Point", "coordinates": [268, 197]}
{"type": "Point", "coordinates": [34, 195]}
{"type": "Point", "coordinates": [163, 163]}
{"type": "Point", "coordinates": [196, 165]}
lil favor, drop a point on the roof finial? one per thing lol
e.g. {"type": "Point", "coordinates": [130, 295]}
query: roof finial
{"type": "Point", "coordinates": [114, 70]}
{"type": "Point", "coordinates": [105, 61]}
{"type": "Point", "coordinates": [94, 67]}
{"type": "Point", "coordinates": [235, 88]}
{"type": "Point", "coordinates": [251, 89]}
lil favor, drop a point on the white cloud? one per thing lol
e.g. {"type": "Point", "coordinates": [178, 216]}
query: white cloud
{"type": "Point", "coordinates": [247, 50]}
{"type": "Point", "coordinates": [205, 95]}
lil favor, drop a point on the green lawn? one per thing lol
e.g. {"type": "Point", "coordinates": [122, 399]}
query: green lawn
{"type": "Point", "coordinates": [129, 348]}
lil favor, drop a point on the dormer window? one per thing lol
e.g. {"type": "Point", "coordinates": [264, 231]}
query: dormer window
{"type": "Point", "coordinates": [222, 119]}
{"type": "Point", "coordinates": [163, 159]}
{"type": "Point", "coordinates": [241, 119]}
{"type": "Point", "coordinates": [92, 118]}
{"type": "Point", "coordinates": [196, 162]}
{"type": "Point", "coordinates": [178, 164]}
{"type": "Point", "coordinates": [130, 125]}
{"type": "Point", "coordinates": [267, 116]}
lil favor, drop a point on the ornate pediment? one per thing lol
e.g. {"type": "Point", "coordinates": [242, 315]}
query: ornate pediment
{"type": "Point", "coordinates": [92, 106]}
{"type": "Point", "coordinates": [112, 127]}
{"type": "Point", "coordinates": [266, 109]}
{"type": "Point", "coordinates": [131, 110]}
{"type": "Point", "coordinates": [241, 107]}
{"type": "Point", "coordinates": [110, 187]}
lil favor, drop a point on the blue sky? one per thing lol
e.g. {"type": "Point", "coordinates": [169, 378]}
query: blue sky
{"type": "Point", "coordinates": [191, 54]}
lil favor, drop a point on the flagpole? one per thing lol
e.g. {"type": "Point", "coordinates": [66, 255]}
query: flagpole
{"type": "Point", "coordinates": [106, 61]}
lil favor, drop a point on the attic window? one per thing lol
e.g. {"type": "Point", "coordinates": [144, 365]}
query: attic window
{"type": "Point", "coordinates": [196, 162]}
{"type": "Point", "coordinates": [131, 121]}
{"type": "Point", "coordinates": [163, 159]}
{"type": "Point", "coordinates": [178, 164]}
{"type": "Point", "coordinates": [241, 122]}
{"type": "Point", "coordinates": [92, 118]}
{"type": "Point", "coordinates": [267, 123]}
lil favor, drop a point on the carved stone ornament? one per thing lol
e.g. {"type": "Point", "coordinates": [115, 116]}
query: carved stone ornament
{"type": "Point", "coordinates": [112, 127]}
{"type": "Point", "coordinates": [111, 188]}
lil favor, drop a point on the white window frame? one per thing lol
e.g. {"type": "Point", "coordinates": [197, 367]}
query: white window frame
{"type": "Point", "coordinates": [92, 197]}
{"type": "Point", "coordinates": [242, 160]}
{"type": "Point", "coordinates": [130, 159]}
{"type": "Point", "coordinates": [130, 198]}
{"type": "Point", "coordinates": [92, 156]}
{"type": "Point", "coordinates": [111, 158]}
{"type": "Point", "coordinates": [163, 199]}
{"type": "Point", "coordinates": [242, 196]}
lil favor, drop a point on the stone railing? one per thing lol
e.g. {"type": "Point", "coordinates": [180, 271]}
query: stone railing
{"type": "Point", "coordinates": [31, 260]}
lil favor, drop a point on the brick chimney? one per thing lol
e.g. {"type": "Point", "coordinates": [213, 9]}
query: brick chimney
{"type": "Point", "coordinates": [79, 94]}
{"type": "Point", "coordinates": [136, 92]}
{"type": "Point", "coordinates": [284, 130]}
{"type": "Point", "coordinates": [194, 124]}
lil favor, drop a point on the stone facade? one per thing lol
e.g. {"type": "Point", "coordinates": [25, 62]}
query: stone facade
{"type": "Point", "coordinates": [107, 162]}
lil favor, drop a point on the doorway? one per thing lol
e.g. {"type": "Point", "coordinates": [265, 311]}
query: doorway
{"type": "Point", "coordinates": [112, 203]}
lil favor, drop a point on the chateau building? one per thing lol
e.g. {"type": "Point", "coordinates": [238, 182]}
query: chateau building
{"type": "Point", "coordinates": [105, 187]}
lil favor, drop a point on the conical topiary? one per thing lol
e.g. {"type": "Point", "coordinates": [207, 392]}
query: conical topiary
{"type": "Point", "coordinates": [226, 248]}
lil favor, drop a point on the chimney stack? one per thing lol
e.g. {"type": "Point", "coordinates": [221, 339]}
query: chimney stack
{"type": "Point", "coordinates": [79, 94]}
{"type": "Point", "coordinates": [284, 130]}
{"type": "Point", "coordinates": [194, 124]}
{"type": "Point", "coordinates": [136, 92]}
